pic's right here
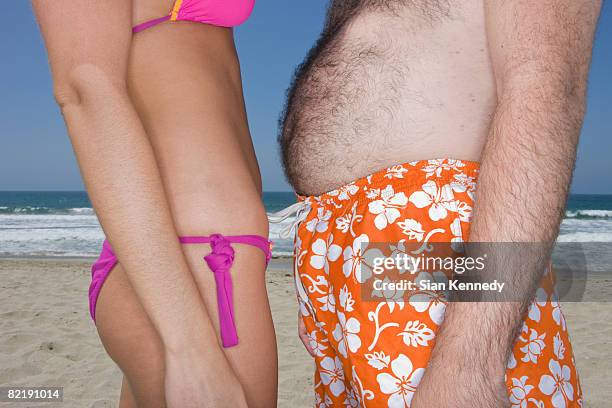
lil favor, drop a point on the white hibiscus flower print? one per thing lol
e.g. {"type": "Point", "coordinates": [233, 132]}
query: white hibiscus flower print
{"type": "Point", "coordinates": [558, 384]}
{"type": "Point", "coordinates": [332, 375]}
{"type": "Point", "coordinates": [539, 301]}
{"type": "Point", "coordinates": [557, 313]}
{"type": "Point", "coordinates": [299, 253]}
{"type": "Point", "coordinates": [358, 259]}
{"type": "Point", "coordinates": [533, 348]}
{"type": "Point", "coordinates": [511, 361]}
{"type": "Point", "coordinates": [437, 166]}
{"type": "Point", "coordinates": [468, 182]}
{"type": "Point", "coordinates": [558, 346]}
{"type": "Point", "coordinates": [458, 187]}
{"type": "Point", "coordinates": [439, 200]}
{"type": "Point", "coordinates": [396, 172]}
{"type": "Point", "coordinates": [315, 346]}
{"type": "Point", "coordinates": [323, 253]}
{"type": "Point", "coordinates": [328, 301]}
{"type": "Point", "coordinates": [351, 399]}
{"type": "Point", "coordinates": [387, 208]}
{"type": "Point", "coordinates": [378, 360]}
{"type": "Point", "coordinates": [433, 302]}
{"type": "Point", "coordinates": [434, 167]}
{"type": "Point", "coordinates": [372, 193]}
{"type": "Point", "coordinates": [346, 299]}
{"type": "Point", "coordinates": [457, 239]}
{"type": "Point", "coordinates": [346, 334]}
{"type": "Point", "coordinates": [323, 403]}
{"type": "Point", "coordinates": [392, 297]}
{"type": "Point", "coordinates": [537, 403]}
{"type": "Point", "coordinates": [519, 391]}
{"type": "Point", "coordinates": [345, 192]}
{"type": "Point", "coordinates": [319, 223]}
{"type": "Point", "coordinates": [464, 210]}
{"type": "Point", "coordinates": [400, 250]}
{"type": "Point", "coordinates": [345, 222]}
{"type": "Point", "coordinates": [412, 228]}
{"type": "Point", "coordinates": [402, 384]}
{"type": "Point", "coordinates": [416, 334]}
{"type": "Point", "coordinates": [348, 191]}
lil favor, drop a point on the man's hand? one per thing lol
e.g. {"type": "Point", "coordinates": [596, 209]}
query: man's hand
{"type": "Point", "coordinates": [467, 370]}
{"type": "Point", "coordinates": [540, 51]}
{"type": "Point", "coordinates": [304, 334]}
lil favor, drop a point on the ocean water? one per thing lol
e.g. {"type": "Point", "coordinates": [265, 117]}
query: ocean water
{"type": "Point", "coordinates": [58, 223]}
{"type": "Point", "coordinates": [64, 224]}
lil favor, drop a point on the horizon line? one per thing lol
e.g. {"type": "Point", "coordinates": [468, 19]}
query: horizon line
{"type": "Point", "coordinates": [264, 191]}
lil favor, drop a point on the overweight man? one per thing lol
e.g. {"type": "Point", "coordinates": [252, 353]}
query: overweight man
{"type": "Point", "coordinates": [436, 121]}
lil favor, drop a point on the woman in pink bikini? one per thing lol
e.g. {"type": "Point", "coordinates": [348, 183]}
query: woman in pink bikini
{"type": "Point", "coordinates": [151, 94]}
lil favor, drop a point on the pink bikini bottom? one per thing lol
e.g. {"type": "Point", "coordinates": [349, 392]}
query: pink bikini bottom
{"type": "Point", "coordinates": [219, 261]}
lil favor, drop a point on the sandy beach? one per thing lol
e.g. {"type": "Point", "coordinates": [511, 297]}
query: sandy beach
{"type": "Point", "coordinates": [47, 338]}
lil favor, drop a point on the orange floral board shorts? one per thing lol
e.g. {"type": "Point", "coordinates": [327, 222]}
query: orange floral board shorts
{"type": "Point", "coordinates": [374, 353]}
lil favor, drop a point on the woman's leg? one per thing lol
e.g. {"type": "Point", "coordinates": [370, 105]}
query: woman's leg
{"type": "Point", "coordinates": [131, 341]}
{"type": "Point", "coordinates": [89, 46]}
{"type": "Point", "coordinates": [184, 80]}
{"type": "Point", "coordinates": [127, 400]}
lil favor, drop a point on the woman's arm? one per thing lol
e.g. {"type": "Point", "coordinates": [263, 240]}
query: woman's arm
{"type": "Point", "coordinates": [88, 44]}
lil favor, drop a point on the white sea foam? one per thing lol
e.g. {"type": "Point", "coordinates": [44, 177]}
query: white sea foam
{"type": "Point", "coordinates": [50, 235]}
{"type": "Point", "coordinates": [585, 230]}
{"type": "Point", "coordinates": [589, 213]}
{"type": "Point", "coordinates": [77, 233]}
{"type": "Point", "coordinates": [84, 210]}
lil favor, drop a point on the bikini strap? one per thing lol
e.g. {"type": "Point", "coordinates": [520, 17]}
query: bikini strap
{"type": "Point", "coordinates": [148, 24]}
{"type": "Point", "coordinates": [253, 240]}
{"type": "Point", "coordinates": [220, 261]}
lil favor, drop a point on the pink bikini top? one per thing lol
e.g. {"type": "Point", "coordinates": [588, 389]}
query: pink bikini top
{"type": "Point", "coordinates": [222, 13]}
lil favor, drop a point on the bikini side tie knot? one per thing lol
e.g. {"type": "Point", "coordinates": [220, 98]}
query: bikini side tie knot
{"type": "Point", "coordinates": [222, 255]}
{"type": "Point", "coordinates": [220, 261]}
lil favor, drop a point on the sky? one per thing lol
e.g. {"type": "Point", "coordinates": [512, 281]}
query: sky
{"type": "Point", "coordinates": [35, 152]}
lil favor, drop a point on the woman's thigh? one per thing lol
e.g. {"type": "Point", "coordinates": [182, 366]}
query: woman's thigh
{"type": "Point", "coordinates": [131, 341]}
{"type": "Point", "coordinates": [185, 81]}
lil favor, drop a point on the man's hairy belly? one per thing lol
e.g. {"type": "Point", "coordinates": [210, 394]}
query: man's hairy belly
{"type": "Point", "coordinates": [376, 96]}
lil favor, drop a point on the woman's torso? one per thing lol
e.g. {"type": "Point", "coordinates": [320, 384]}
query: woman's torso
{"type": "Point", "coordinates": [184, 78]}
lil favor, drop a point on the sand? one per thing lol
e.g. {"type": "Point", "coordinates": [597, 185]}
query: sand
{"type": "Point", "coordinates": [47, 338]}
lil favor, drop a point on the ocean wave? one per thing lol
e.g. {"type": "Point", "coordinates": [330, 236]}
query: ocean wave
{"type": "Point", "coordinates": [586, 237]}
{"type": "Point", "coordinates": [74, 235]}
{"type": "Point", "coordinates": [33, 210]}
{"type": "Point", "coordinates": [81, 211]}
{"type": "Point", "coordinates": [589, 214]}
{"type": "Point", "coordinates": [76, 232]}
{"type": "Point", "coordinates": [586, 230]}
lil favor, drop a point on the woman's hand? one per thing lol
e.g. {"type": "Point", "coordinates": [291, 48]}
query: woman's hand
{"type": "Point", "coordinates": [195, 380]}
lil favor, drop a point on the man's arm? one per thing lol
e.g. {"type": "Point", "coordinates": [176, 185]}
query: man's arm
{"type": "Point", "coordinates": [540, 51]}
